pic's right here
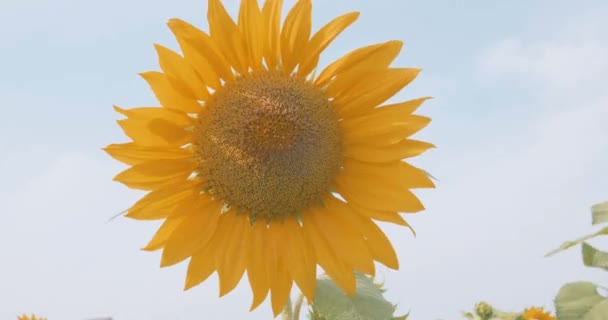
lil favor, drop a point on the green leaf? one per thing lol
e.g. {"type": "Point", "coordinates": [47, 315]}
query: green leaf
{"type": "Point", "coordinates": [331, 303]}
{"type": "Point", "coordinates": [569, 244]}
{"type": "Point", "coordinates": [599, 213]}
{"type": "Point", "coordinates": [581, 301]}
{"type": "Point", "coordinates": [599, 312]}
{"type": "Point", "coordinates": [593, 257]}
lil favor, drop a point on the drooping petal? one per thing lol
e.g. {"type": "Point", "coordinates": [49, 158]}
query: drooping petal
{"type": "Point", "coordinates": [155, 174]}
{"type": "Point", "coordinates": [202, 52]}
{"type": "Point", "coordinates": [333, 222]}
{"type": "Point", "coordinates": [272, 16]}
{"type": "Point", "coordinates": [167, 95]}
{"type": "Point", "coordinates": [335, 267]}
{"type": "Point", "coordinates": [280, 280]}
{"type": "Point", "coordinates": [374, 57]}
{"type": "Point", "coordinates": [256, 267]}
{"type": "Point", "coordinates": [300, 260]}
{"type": "Point", "coordinates": [379, 246]}
{"type": "Point", "coordinates": [192, 234]}
{"type": "Point", "coordinates": [181, 75]}
{"type": "Point", "coordinates": [295, 34]}
{"type": "Point", "coordinates": [230, 259]}
{"type": "Point", "coordinates": [322, 39]}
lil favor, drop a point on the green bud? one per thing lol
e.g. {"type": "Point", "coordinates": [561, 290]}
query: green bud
{"type": "Point", "coordinates": [484, 310]}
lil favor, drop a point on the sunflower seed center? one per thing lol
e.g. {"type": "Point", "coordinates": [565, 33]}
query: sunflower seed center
{"type": "Point", "coordinates": [268, 144]}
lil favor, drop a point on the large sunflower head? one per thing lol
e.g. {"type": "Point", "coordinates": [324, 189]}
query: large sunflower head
{"type": "Point", "coordinates": [257, 166]}
{"type": "Point", "coordinates": [537, 314]}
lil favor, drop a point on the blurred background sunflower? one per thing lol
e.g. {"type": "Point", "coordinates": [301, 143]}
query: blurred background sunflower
{"type": "Point", "coordinates": [535, 313]}
{"type": "Point", "coordinates": [32, 317]}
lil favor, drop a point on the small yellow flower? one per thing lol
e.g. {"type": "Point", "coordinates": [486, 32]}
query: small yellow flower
{"type": "Point", "coordinates": [537, 314]}
{"type": "Point", "coordinates": [258, 166]}
{"type": "Point", "coordinates": [26, 317]}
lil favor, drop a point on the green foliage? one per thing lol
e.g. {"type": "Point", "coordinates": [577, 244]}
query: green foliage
{"type": "Point", "coordinates": [368, 303]}
{"type": "Point", "coordinates": [599, 213]}
{"type": "Point", "coordinates": [484, 311]}
{"type": "Point", "coordinates": [581, 301]}
{"type": "Point", "coordinates": [593, 257]}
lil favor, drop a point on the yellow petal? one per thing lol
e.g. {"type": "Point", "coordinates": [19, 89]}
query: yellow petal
{"type": "Point", "coordinates": [333, 222]}
{"type": "Point", "coordinates": [374, 57]}
{"type": "Point", "coordinates": [149, 126]}
{"type": "Point", "coordinates": [385, 216]}
{"type": "Point", "coordinates": [372, 131]}
{"type": "Point", "coordinates": [151, 113]}
{"type": "Point", "coordinates": [225, 33]}
{"type": "Point", "coordinates": [376, 195]}
{"type": "Point", "coordinates": [280, 281]}
{"type": "Point", "coordinates": [295, 34]}
{"type": "Point", "coordinates": [167, 95]}
{"type": "Point", "coordinates": [156, 174]}
{"type": "Point", "coordinates": [180, 74]}
{"type": "Point", "coordinates": [164, 232]}
{"type": "Point", "coordinates": [192, 234]}
{"type": "Point", "coordinates": [379, 246]}
{"type": "Point", "coordinates": [393, 174]}
{"type": "Point", "coordinates": [202, 52]}
{"type": "Point", "coordinates": [300, 260]}
{"type": "Point", "coordinates": [322, 39]}
{"type": "Point", "coordinates": [372, 89]}
{"type": "Point", "coordinates": [159, 204]}
{"type": "Point", "coordinates": [252, 27]}
{"type": "Point", "coordinates": [386, 153]}
{"type": "Point", "coordinates": [272, 16]}
{"type": "Point", "coordinates": [230, 259]}
{"type": "Point", "coordinates": [336, 268]}
{"type": "Point", "coordinates": [132, 154]}
{"type": "Point", "coordinates": [381, 116]}
{"type": "Point", "coordinates": [256, 267]}
{"type": "Point", "coordinates": [201, 266]}
{"type": "Point", "coordinates": [155, 132]}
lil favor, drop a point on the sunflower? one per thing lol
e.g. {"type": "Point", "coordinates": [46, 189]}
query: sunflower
{"type": "Point", "coordinates": [258, 166]}
{"type": "Point", "coordinates": [537, 314]}
{"type": "Point", "coordinates": [26, 317]}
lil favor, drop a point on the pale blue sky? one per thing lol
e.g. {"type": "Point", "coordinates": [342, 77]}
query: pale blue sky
{"type": "Point", "coordinates": [519, 117]}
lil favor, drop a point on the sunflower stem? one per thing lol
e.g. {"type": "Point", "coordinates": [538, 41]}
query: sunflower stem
{"type": "Point", "coordinates": [287, 312]}
{"type": "Point", "coordinates": [298, 307]}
